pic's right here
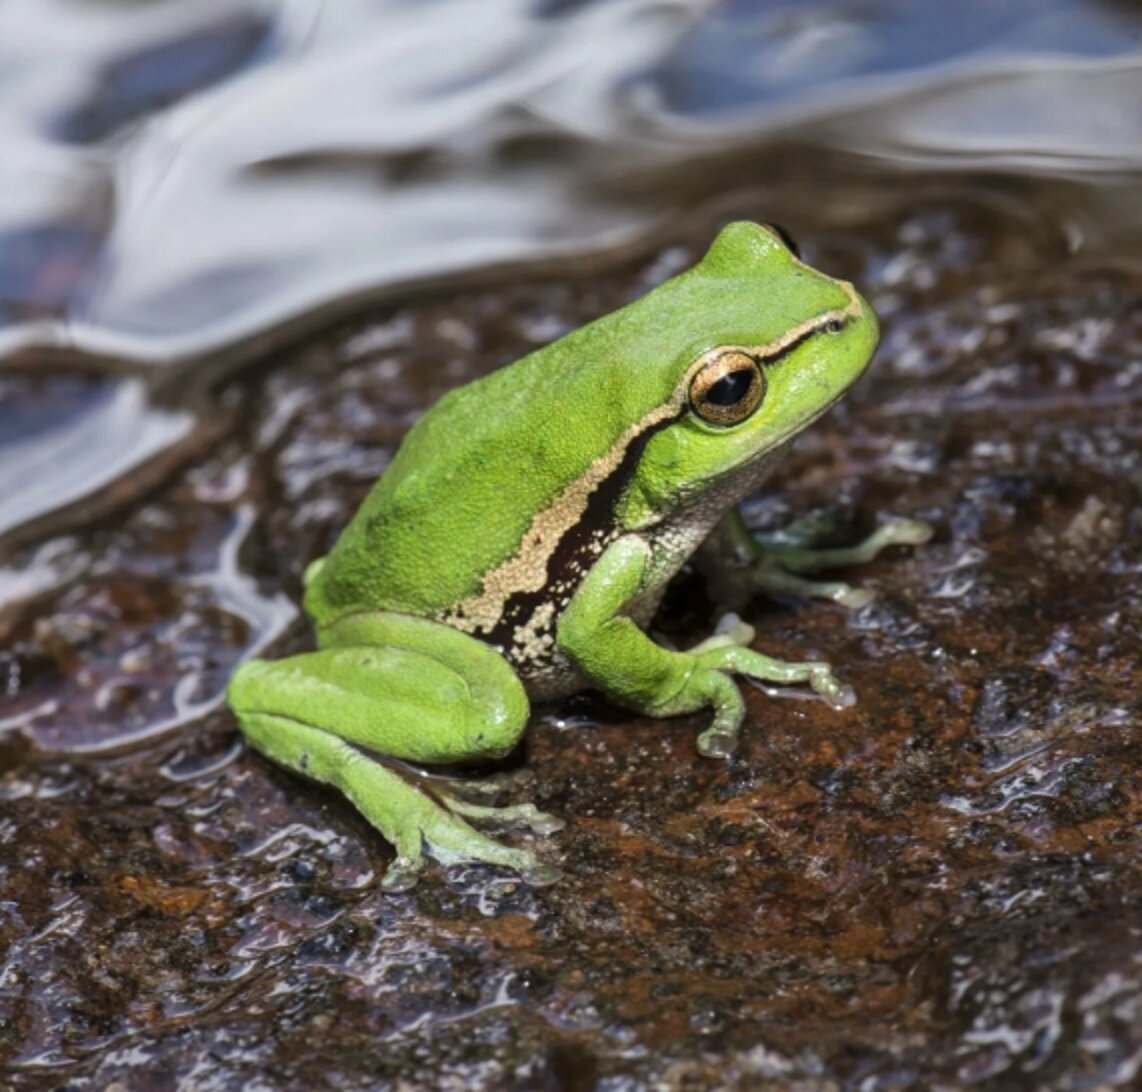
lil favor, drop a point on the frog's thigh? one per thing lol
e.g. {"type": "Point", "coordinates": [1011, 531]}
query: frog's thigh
{"type": "Point", "coordinates": [306, 712]}
{"type": "Point", "coordinates": [409, 818]}
{"type": "Point", "coordinates": [426, 704]}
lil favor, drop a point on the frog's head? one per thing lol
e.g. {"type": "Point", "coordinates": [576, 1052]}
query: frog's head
{"type": "Point", "coordinates": [766, 345]}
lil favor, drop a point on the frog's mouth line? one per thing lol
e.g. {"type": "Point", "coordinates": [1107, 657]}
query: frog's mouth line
{"type": "Point", "coordinates": [795, 430]}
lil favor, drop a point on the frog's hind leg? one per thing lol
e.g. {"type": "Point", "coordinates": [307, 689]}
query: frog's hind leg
{"type": "Point", "coordinates": [408, 818]}
{"type": "Point", "coordinates": [320, 714]}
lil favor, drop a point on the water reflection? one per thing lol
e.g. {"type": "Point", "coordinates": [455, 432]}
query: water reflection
{"type": "Point", "coordinates": [240, 163]}
{"type": "Point", "coordinates": [191, 178]}
{"type": "Point", "coordinates": [745, 54]}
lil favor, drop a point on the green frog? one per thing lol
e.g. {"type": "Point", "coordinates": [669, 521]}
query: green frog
{"type": "Point", "coordinates": [519, 544]}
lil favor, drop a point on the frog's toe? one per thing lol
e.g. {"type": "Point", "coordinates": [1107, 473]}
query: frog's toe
{"type": "Point", "coordinates": [514, 815]}
{"type": "Point", "coordinates": [906, 532]}
{"type": "Point", "coordinates": [541, 875]}
{"type": "Point", "coordinates": [717, 743]}
{"type": "Point", "coordinates": [836, 693]}
{"type": "Point", "coordinates": [401, 875]}
{"type": "Point", "coordinates": [730, 631]}
{"type": "Point", "coordinates": [731, 626]}
{"type": "Point", "coordinates": [543, 824]}
{"type": "Point", "coordinates": [853, 598]}
{"type": "Point", "coordinates": [450, 839]}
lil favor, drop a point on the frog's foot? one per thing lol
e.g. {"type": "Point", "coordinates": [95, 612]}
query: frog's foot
{"type": "Point", "coordinates": [782, 566]}
{"type": "Point", "coordinates": [710, 684]}
{"type": "Point", "coordinates": [514, 815]}
{"type": "Point", "coordinates": [451, 840]}
{"type": "Point", "coordinates": [413, 821]}
{"type": "Point", "coordinates": [771, 577]}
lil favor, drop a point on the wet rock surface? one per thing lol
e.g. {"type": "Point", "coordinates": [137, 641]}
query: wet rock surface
{"type": "Point", "coordinates": [938, 888]}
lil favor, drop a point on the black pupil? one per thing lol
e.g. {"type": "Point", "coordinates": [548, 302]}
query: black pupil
{"type": "Point", "coordinates": [731, 388]}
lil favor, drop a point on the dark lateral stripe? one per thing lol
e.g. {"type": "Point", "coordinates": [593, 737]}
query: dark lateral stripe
{"type": "Point", "coordinates": [579, 547]}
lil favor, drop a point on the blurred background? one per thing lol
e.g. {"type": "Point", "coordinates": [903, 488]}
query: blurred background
{"type": "Point", "coordinates": [187, 183]}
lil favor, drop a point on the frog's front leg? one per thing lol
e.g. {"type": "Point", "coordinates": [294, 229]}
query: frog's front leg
{"type": "Point", "coordinates": [616, 656]}
{"type": "Point", "coordinates": [405, 688]}
{"type": "Point", "coordinates": [737, 562]}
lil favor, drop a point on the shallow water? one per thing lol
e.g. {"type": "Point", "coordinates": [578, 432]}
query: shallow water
{"type": "Point", "coordinates": [939, 888]}
{"type": "Point", "coordinates": [185, 175]}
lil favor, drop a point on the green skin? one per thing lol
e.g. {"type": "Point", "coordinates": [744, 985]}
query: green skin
{"type": "Point", "coordinates": [521, 540]}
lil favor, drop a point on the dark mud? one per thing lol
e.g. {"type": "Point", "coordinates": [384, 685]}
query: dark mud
{"type": "Point", "coordinates": [936, 889]}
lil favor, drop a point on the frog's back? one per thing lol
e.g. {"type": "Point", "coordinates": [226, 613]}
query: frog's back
{"type": "Point", "coordinates": [468, 481]}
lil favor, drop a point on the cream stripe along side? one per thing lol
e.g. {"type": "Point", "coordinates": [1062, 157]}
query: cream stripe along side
{"type": "Point", "coordinates": [526, 571]}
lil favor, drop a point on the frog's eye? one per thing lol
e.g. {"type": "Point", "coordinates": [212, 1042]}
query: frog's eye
{"type": "Point", "coordinates": [727, 388]}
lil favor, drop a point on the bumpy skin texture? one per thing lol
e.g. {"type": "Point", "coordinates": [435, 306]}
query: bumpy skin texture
{"type": "Point", "coordinates": [523, 535]}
